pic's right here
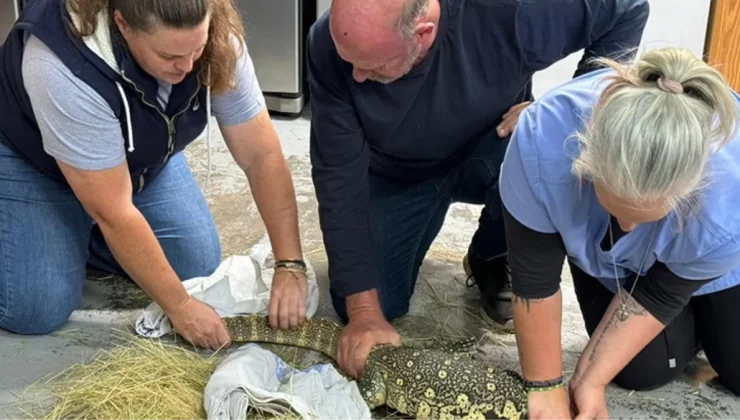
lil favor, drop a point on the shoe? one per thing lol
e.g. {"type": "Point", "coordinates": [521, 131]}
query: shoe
{"type": "Point", "coordinates": [494, 281]}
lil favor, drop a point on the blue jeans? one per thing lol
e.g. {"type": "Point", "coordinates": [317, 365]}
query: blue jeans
{"type": "Point", "coordinates": [47, 240]}
{"type": "Point", "coordinates": [406, 218]}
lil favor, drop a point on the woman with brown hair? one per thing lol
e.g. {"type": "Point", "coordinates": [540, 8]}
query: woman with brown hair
{"type": "Point", "coordinates": [98, 99]}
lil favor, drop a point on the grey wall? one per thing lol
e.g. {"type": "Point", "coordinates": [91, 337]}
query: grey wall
{"type": "Point", "coordinates": [7, 17]}
{"type": "Point", "coordinates": [672, 22]}
{"type": "Point", "coordinates": [321, 6]}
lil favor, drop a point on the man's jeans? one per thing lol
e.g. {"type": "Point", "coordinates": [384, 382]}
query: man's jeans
{"type": "Point", "coordinates": [47, 239]}
{"type": "Point", "coordinates": [406, 218]}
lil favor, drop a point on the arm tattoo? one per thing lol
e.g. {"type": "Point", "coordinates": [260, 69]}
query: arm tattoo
{"type": "Point", "coordinates": [623, 312]}
{"type": "Point", "coordinates": [630, 307]}
{"type": "Point", "coordinates": [609, 324]}
{"type": "Point", "coordinates": [526, 301]}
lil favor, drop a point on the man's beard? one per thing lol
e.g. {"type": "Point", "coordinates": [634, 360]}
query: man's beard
{"type": "Point", "coordinates": [408, 65]}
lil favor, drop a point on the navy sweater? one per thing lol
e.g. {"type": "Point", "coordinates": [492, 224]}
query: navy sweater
{"type": "Point", "coordinates": [168, 129]}
{"type": "Point", "coordinates": [420, 126]}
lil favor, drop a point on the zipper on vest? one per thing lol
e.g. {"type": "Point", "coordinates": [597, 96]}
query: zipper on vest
{"type": "Point", "coordinates": [142, 181]}
{"type": "Point", "coordinates": [170, 121]}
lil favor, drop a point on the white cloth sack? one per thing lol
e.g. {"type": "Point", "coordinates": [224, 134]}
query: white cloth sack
{"type": "Point", "coordinates": [241, 285]}
{"type": "Point", "coordinates": [255, 377]}
{"type": "Point", "coordinates": [252, 375]}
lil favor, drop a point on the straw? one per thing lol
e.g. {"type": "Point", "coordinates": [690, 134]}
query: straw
{"type": "Point", "coordinates": [140, 379]}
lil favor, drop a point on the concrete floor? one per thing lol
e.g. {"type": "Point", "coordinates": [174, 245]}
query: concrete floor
{"type": "Point", "coordinates": [441, 297]}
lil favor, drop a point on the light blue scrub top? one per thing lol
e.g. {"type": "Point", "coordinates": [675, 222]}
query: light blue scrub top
{"type": "Point", "coordinates": [540, 191]}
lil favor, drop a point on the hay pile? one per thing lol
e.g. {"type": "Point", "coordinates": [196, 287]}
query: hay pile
{"type": "Point", "coordinates": [139, 379]}
{"type": "Point", "coordinates": [143, 378]}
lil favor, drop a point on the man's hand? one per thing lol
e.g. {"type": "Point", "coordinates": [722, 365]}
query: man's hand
{"type": "Point", "coordinates": [367, 327]}
{"type": "Point", "coordinates": [509, 120]}
{"type": "Point", "coordinates": [288, 299]}
{"type": "Point", "coordinates": [359, 337]}
{"type": "Point", "coordinates": [588, 401]}
{"type": "Point", "coordinates": [199, 323]}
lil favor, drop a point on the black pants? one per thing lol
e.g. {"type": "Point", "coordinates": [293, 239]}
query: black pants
{"type": "Point", "coordinates": [710, 322]}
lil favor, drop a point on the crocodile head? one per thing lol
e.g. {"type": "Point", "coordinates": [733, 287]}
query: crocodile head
{"type": "Point", "coordinates": [443, 381]}
{"type": "Point", "coordinates": [429, 383]}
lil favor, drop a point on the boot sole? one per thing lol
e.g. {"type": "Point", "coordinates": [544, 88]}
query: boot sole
{"type": "Point", "coordinates": [507, 326]}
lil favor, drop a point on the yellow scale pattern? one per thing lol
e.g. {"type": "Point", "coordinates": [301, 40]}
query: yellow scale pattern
{"type": "Point", "coordinates": [426, 383]}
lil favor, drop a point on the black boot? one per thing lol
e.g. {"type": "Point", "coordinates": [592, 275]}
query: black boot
{"type": "Point", "coordinates": [493, 279]}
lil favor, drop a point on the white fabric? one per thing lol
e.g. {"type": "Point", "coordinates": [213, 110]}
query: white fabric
{"type": "Point", "coordinates": [240, 285]}
{"type": "Point", "coordinates": [251, 375]}
{"type": "Point", "coordinates": [254, 376]}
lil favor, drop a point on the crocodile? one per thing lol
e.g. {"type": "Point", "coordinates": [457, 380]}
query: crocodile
{"type": "Point", "coordinates": [427, 382]}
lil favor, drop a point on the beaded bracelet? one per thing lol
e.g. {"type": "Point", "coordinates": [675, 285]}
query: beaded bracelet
{"type": "Point", "coordinates": [541, 386]}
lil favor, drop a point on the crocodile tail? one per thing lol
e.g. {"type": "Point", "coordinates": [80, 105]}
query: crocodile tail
{"type": "Point", "coordinates": [316, 334]}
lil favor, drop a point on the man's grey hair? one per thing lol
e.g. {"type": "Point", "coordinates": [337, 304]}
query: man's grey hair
{"type": "Point", "coordinates": [655, 126]}
{"type": "Point", "coordinates": [410, 14]}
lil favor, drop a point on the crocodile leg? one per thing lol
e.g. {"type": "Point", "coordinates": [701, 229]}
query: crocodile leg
{"type": "Point", "coordinates": [372, 387]}
{"type": "Point", "coordinates": [511, 401]}
{"type": "Point", "coordinates": [464, 348]}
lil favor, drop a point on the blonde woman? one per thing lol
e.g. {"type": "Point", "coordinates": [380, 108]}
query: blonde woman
{"type": "Point", "coordinates": [98, 99]}
{"type": "Point", "coordinates": [632, 174]}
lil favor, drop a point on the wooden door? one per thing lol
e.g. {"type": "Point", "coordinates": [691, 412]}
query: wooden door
{"type": "Point", "coordinates": [723, 39]}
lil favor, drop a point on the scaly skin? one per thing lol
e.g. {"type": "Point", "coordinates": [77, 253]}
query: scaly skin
{"type": "Point", "coordinates": [426, 383]}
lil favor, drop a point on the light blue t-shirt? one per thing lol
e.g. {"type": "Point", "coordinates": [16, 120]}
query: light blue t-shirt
{"type": "Point", "coordinates": [78, 126]}
{"type": "Point", "coordinates": [539, 189]}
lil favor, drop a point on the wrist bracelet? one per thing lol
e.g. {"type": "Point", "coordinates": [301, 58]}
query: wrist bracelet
{"type": "Point", "coordinates": [541, 386]}
{"type": "Point", "coordinates": [294, 266]}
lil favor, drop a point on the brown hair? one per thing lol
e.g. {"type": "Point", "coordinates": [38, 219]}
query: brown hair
{"type": "Point", "coordinates": [225, 27]}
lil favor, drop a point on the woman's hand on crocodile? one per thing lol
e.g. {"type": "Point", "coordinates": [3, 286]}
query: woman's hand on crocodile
{"type": "Point", "coordinates": [288, 299]}
{"type": "Point", "coordinates": [199, 323]}
{"type": "Point", "coordinates": [552, 404]}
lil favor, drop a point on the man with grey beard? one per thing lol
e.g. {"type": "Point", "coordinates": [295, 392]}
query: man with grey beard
{"type": "Point", "coordinates": [413, 102]}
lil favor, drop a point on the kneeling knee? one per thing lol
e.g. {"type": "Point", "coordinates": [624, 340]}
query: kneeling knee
{"type": "Point", "coordinates": [43, 304]}
{"type": "Point", "coordinates": [645, 379]}
{"type": "Point", "coordinates": [211, 259]}
{"type": "Point", "coordinates": [199, 260]}
{"type": "Point", "coordinates": [730, 379]}
{"type": "Point", "coordinates": [43, 317]}
{"type": "Point", "coordinates": [396, 309]}
{"type": "Point", "coordinates": [392, 308]}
